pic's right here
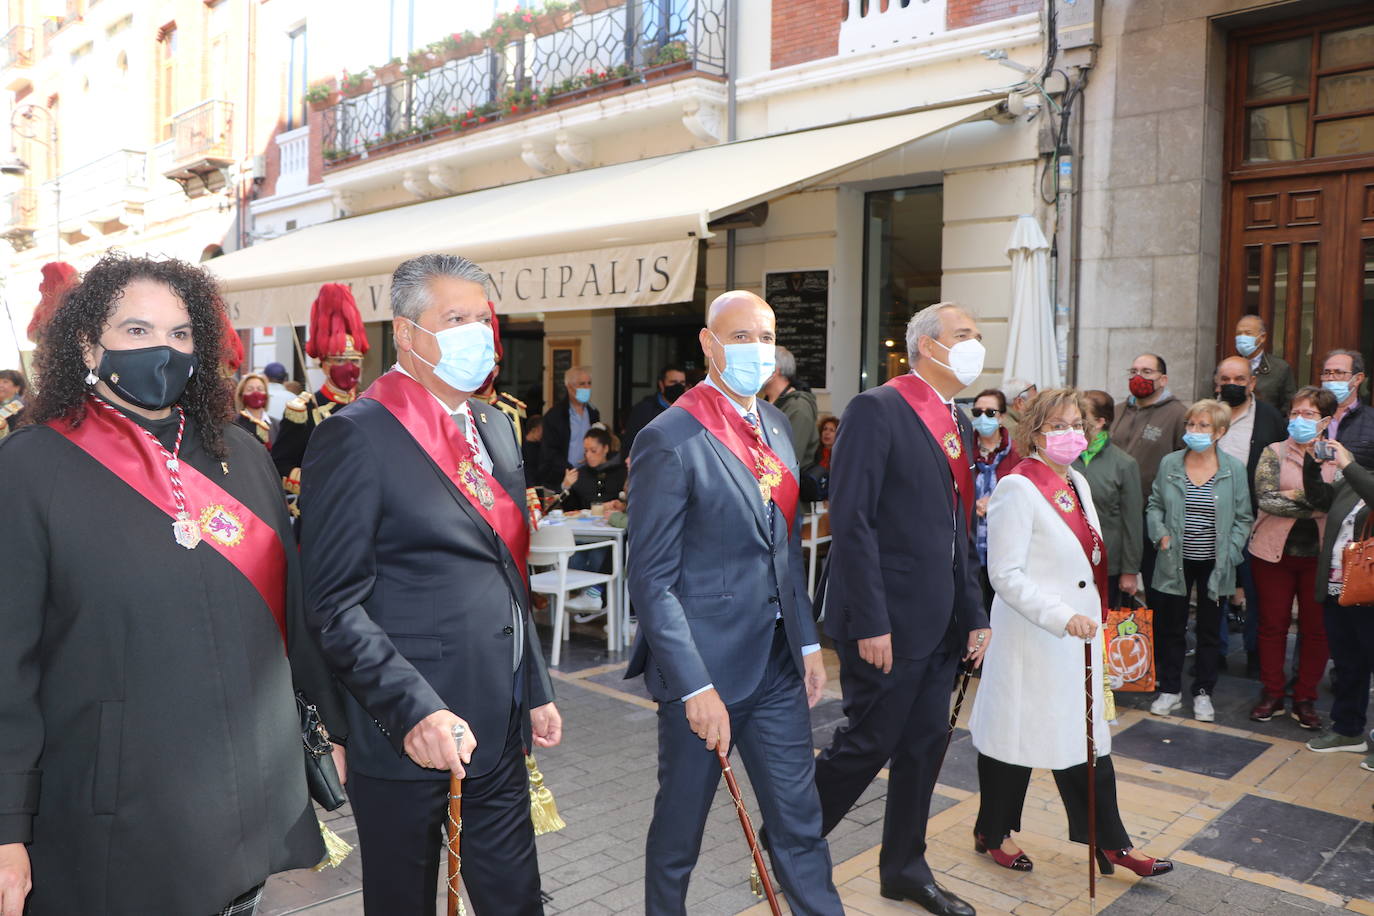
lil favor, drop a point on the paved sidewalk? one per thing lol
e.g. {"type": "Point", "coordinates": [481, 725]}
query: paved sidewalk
{"type": "Point", "coordinates": [1256, 823]}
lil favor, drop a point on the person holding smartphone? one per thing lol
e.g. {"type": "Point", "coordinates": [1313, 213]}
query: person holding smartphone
{"type": "Point", "coordinates": [1285, 546]}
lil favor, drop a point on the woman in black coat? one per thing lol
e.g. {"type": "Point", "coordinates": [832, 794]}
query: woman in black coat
{"type": "Point", "coordinates": [150, 749]}
{"type": "Point", "coordinates": [599, 479]}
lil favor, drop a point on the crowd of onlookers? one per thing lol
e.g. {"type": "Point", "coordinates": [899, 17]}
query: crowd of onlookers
{"type": "Point", "coordinates": [1234, 513]}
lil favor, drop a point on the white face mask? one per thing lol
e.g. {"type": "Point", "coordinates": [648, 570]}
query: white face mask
{"type": "Point", "coordinates": [965, 359]}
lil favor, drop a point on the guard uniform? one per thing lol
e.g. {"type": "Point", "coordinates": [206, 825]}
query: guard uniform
{"type": "Point", "coordinates": [336, 331]}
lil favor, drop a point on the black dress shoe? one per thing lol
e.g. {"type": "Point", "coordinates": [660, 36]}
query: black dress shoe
{"type": "Point", "coordinates": [931, 896]}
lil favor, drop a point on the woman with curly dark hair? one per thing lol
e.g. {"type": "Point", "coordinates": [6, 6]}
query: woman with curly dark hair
{"type": "Point", "coordinates": [153, 600]}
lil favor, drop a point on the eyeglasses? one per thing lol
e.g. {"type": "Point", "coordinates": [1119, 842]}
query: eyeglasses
{"type": "Point", "coordinates": [1064, 427]}
{"type": "Point", "coordinates": [1336, 374]}
{"type": "Point", "coordinates": [1304, 415]}
{"type": "Point", "coordinates": [1147, 373]}
{"type": "Point", "coordinates": [985, 412]}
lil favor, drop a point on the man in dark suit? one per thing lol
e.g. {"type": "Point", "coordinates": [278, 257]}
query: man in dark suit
{"type": "Point", "coordinates": [902, 599]}
{"type": "Point", "coordinates": [672, 384]}
{"type": "Point", "coordinates": [414, 550]}
{"type": "Point", "coordinates": [565, 426]}
{"type": "Point", "coordinates": [1255, 424]}
{"type": "Point", "coordinates": [726, 644]}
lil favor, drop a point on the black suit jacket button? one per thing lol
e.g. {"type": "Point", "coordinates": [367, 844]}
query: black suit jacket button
{"type": "Point", "coordinates": [508, 630]}
{"type": "Point", "coordinates": [1082, 584]}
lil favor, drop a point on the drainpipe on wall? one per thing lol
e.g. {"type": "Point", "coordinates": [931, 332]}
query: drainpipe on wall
{"type": "Point", "coordinates": [731, 114]}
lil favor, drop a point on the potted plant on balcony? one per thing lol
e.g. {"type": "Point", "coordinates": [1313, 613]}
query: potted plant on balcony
{"type": "Point", "coordinates": [597, 6]}
{"type": "Point", "coordinates": [667, 60]}
{"type": "Point", "coordinates": [390, 72]}
{"type": "Point", "coordinates": [422, 60]}
{"type": "Point", "coordinates": [508, 27]}
{"type": "Point", "coordinates": [356, 84]}
{"type": "Point", "coordinates": [557, 15]}
{"type": "Point", "coordinates": [322, 95]}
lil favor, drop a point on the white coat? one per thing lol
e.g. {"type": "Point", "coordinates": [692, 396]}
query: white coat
{"type": "Point", "coordinates": [1030, 709]}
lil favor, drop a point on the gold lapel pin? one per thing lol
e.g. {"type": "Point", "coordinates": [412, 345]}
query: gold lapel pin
{"type": "Point", "coordinates": [482, 417]}
{"type": "Point", "coordinates": [225, 466]}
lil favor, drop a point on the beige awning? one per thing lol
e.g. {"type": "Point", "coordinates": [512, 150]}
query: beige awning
{"type": "Point", "coordinates": [626, 232]}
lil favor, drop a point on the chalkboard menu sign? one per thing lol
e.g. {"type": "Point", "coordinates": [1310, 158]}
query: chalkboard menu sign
{"type": "Point", "coordinates": [800, 299]}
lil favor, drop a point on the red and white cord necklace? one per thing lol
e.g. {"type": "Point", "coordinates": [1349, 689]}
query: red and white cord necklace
{"type": "Point", "coordinates": [184, 529]}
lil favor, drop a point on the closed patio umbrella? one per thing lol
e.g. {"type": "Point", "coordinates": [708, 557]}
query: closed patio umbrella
{"type": "Point", "coordinates": [1031, 350]}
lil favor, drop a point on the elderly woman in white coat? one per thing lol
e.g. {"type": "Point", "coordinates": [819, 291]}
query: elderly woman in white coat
{"type": "Point", "coordinates": [1048, 565]}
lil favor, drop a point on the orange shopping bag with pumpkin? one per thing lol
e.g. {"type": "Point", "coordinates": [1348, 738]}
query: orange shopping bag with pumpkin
{"type": "Point", "coordinates": [1130, 657]}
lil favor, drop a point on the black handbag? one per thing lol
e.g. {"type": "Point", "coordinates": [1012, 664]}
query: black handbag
{"type": "Point", "coordinates": [321, 776]}
{"type": "Point", "coordinates": [815, 484]}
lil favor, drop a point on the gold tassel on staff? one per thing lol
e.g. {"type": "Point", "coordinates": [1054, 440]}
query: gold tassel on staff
{"type": "Point", "coordinates": [543, 810]}
{"type": "Point", "coordinates": [336, 849]}
{"type": "Point", "coordinates": [1108, 696]}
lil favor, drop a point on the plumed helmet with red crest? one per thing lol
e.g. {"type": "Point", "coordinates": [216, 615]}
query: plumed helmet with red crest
{"type": "Point", "coordinates": [58, 277]}
{"type": "Point", "coordinates": [496, 335]}
{"type": "Point", "coordinates": [232, 352]}
{"type": "Point", "coordinates": [336, 326]}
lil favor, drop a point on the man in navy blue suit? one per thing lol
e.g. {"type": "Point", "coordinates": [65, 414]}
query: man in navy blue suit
{"type": "Point", "coordinates": [727, 644]}
{"type": "Point", "coordinates": [902, 599]}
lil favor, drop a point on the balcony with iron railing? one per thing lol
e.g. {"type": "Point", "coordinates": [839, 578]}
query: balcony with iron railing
{"type": "Point", "coordinates": [203, 142]}
{"type": "Point", "coordinates": [19, 210]}
{"type": "Point", "coordinates": [17, 50]}
{"type": "Point", "coordinates": [591, 55]}
{"type": "Point", "coordinates": [104, 192]}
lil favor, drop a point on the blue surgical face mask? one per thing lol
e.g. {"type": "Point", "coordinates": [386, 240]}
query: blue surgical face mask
{"type": "Point", "coordinates": [747, 366]}
{"type": "Point", "coordinates": [986, 426]}
{"type": "Point", "coordinates": [1340, 389]}
{"type": "Point", "coordinates": [1302, 430]}
{"type": "Point", "coordinates": [1198, 442]}
{"type": "Point", "coordinates": [467, 355]}
{"type": "Point", "coordinates": [583, 395]}
{"type": "Point", "coordinates": [1246, 345]}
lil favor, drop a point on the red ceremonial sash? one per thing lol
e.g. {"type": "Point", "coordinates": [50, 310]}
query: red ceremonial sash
{"type": "Point", "coordinates": [436, 433]}
{"type": "Point", "coordinates": [226, 524]}
{"type": "Point", "coordinates": [939, 422]}
{"type": "Point", "coordinates": [1069, 507]}
{"type": "Point", "coordinates": [713, 410]}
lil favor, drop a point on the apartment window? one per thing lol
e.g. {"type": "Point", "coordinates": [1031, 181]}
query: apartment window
{"type": "Point", "coordinates": [166, 79]}
{"type": "Point", "coordinates": [902, 236]}
{"type": "Point", "coordinates": [296, 76]}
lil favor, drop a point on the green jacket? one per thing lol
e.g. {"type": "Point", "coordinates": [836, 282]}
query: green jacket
{"type": "Point", "coordinates": [800, 409]}
{"type": "Point", "coordinates": [1164, 515]}
{"type": "Point", "coordinates": [1274, 382]}
{"type": "Point", "coordinates": [1114, 478]}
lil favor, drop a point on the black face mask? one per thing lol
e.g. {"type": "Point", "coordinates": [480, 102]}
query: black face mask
{"type": "Point", "coordinates": [672, 392]}
{"type": "Point", "coordinates": [1234, 395]}
{"type": "Point", "coordinates": [151, 377]}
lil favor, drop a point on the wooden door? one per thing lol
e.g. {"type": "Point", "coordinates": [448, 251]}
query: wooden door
{"type": "Point", "coordinates": [1297, 253]}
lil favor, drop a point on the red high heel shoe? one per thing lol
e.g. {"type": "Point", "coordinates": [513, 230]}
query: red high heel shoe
{"type": "Point", "coordinates": [1018, 862]}
{"type": "Point", "coordinates": [1145, 868]}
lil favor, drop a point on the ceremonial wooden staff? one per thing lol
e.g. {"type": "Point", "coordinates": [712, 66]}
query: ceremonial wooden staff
{"type": "Point", "coordinates": [455, 835]}
{"type": "Point", "coordinates": [1092, 777]}
{"type": "Point", "coordinates": [749, 836]}
{"type": "Point", "coordinates": [958, 704]}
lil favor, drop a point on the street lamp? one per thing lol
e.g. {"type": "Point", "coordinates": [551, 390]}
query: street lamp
{"type": "Point", "coordinates": [22, 123]}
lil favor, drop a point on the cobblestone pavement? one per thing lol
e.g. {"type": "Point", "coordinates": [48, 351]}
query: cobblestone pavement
{"type": "Point", "coordinates": [1255, 823]}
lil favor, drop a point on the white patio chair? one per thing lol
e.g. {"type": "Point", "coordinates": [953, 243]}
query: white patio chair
{"type": "Point", "coordinates": [553, 546]}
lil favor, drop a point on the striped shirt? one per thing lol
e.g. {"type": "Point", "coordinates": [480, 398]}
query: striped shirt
{"type": "Point", "coordinates": [1199, 520]}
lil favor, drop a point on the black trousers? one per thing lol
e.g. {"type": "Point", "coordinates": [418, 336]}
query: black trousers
{"type": "Point", "coordinates": [902, 717]}
{"type": "Point", "coordinates": [1002, 795]}
{"type": "Point", "coordinates": [1171, 632]}
{"type": "Point", "coordinates": [1350, 635]}
{"type": "Point", "coordinates": [400, 827]}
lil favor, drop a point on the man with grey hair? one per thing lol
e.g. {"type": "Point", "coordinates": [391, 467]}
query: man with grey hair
{"type": "Point", "coordinates": [1019, 393]}
{"type": "Point", "coordinates": [565, 426]}
{"type": "Point", "coordinates": [1353, 424]}
{"type": "Point", "coordinates": [414, 561]}
{"type": "Point", "coordinates": [793, 397]}
{"type": "Point", "coordinates": [901, 593]}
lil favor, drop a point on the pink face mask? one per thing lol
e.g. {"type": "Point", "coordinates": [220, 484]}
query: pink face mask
{"type": "Point", "coordinates": [1064, 446]}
